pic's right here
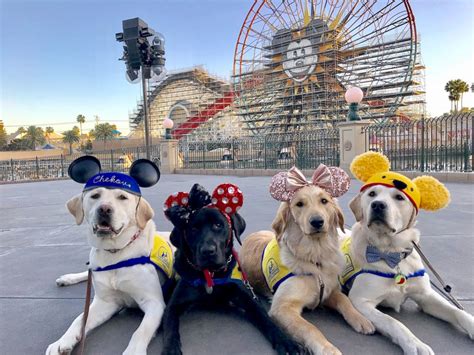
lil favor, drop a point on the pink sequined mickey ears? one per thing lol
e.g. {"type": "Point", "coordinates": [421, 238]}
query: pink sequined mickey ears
{"type": "Point", "coordinates": [227, 198]}
{"type": "Point", "coordinates": [176, 199]}
{"type": "Point", "coordinates": [332, 179]}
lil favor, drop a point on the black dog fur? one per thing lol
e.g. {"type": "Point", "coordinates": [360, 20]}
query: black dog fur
{"type": "Point", "coordinates": [201, 236]}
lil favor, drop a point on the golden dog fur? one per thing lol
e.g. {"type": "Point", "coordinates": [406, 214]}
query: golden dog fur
{"type": "Point", "coordinates": [312, 256]}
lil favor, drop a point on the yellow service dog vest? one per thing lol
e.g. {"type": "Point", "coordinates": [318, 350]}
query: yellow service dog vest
{"type": "Point", "coordinates": [274, 270]}
{"type": "Point", "coordinates": [161, 257]}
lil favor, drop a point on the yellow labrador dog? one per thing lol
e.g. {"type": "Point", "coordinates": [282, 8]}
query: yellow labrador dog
{"type": "Point", "coordinates": [382, 267]}
{"type": "Point", "coordinates": [130, 263]}
{"type": "Point", "coordinates": [304, 261]}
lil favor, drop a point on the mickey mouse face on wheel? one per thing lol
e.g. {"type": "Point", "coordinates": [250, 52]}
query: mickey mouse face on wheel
{"type": "Point", "coordinates": [87, 169]}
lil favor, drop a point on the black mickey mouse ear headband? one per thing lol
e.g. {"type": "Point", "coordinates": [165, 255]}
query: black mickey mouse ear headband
{"type": "Point", "coordinates": [145, 172]}
{"type": "Point", "coordinates": [83, 168]}
{"type": "Point", "coordinates": [87, 170]}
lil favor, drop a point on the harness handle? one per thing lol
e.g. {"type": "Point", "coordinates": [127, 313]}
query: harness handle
{"type": "Point", "coordinates": [86, 312]}
{"type": "Point", "coordinates": [446, 291]}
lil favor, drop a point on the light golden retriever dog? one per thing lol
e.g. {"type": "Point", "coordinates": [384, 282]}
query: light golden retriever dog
{"type": "Point", "coordinates": [382, 265]}
{"type": "Point", "coordinates": [119, 229]}
{"type": "Point", "coordinates": [306, 228]}
{"type": "Point", "coordinates": [385, 220]}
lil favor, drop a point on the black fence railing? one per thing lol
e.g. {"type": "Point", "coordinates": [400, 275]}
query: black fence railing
{"type": "Point", "coordinates": [435, 144]}
{"type": "Point", "coordinates": [274, 151]}
{"type": "Point", "coordinates": [56, 167]}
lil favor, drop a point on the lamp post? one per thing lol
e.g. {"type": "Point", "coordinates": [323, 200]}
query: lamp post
{"type": "Point", "coordinates": [168, 125]}
{"type": "Point", "coordinates": [353, 97]}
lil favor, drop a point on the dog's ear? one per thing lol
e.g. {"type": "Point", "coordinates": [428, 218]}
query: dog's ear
{"type": "Point", "coordinates": [339, 217]}
{"type": "Point", "coordinates": [281, 220]}
{"type": "Point", "coordinates": [178, 215]}
{"type": "Point", "coordinates": [144, 213]}
{"type": "Point", "coordinates": [198, 197]}
{"type": "Point", "coordinates": [412, 220]}
{"type": "Point", "coordinates": [238, 226]}
{"type": "Point", "coordinates": [356, 208]}
{"type": "Point", "coordinates": [74, 206]}
{"type": "Point", "coordinates": [175, 237]}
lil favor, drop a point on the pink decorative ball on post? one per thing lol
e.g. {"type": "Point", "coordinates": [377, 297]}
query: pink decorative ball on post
{"type": "Point", "coordinates": [354, 95]}
{"type": "Point", "coordinates": [168, 123]}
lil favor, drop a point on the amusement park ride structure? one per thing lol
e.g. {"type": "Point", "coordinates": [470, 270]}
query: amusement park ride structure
{"type": "Point", "coordinates": [293, 62]}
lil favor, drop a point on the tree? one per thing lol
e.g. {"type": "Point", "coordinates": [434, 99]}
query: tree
{"type": "Point", "coordinates": [34, 136]}
{"type": "Point", "coordinates": [80, 119]}
{"type": "Point", "coordinates": [48, 132]}
{"type": "Point", "coordinates": [456, 89]}
{"type": "Point", "coordinates": [104, 132]}
{"type": "Point", "coordinates": [3, 135]}
{"type": "Point", "coordinates": [70, 137]}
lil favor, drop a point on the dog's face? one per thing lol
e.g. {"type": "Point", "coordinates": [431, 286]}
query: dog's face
{"type": "Point", "coordinates": [113, 216]}
{"type": "Point", "coordinates": [385, 211]}
{"type": "Point", "coordinates": [313, 210]}
{"type": "Point", "coordinates": [206, 234]}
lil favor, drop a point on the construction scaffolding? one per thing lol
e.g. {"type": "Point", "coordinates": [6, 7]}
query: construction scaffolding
{"type": "Point", "coordinates": [294, 60]}
{"type": "Point", "coordinates": [200, 105]}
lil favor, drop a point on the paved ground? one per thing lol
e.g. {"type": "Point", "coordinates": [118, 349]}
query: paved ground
{"type": "Point", "coordinates": [39, 241]}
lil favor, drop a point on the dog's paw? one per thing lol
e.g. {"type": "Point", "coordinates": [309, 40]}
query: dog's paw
{"type": "Point", "coordinates": [466, 323]}
{"type": "Point", "coordinates": [59, 348]}
{"type": "Point", "coordinates": [134, 350]}
{"type": "Point", "coordinates": [329, 349]}
{"type": "Point", "coordinates": [172, 350]}
{"type": "Point", "coordinates": [417, 347]}
{"type": "Point", "coordinates": [361, 324]}
{"type": "Point", "coordinates": [285, 345]}
{"type": "Point", "coordinates": [68, 279]}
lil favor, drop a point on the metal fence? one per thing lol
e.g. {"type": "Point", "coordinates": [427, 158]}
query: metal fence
{"type": "Point", "coordinates": [56, 167]}
{"type": "Point", "coordinates": [274, 151]}
{"type": "Point", "coordinates": [435, 144]}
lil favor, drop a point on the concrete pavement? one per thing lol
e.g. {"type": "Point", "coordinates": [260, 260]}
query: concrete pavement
{"type": "Point", "coordinates": [39, 241]}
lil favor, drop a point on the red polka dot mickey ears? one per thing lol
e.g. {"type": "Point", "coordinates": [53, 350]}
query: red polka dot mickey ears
{"type": "Point", "coordinates": [176, 199]}
{"type": "Point", "coordinates": [228, 198]}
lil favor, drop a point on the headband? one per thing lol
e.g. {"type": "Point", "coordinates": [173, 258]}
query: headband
{"type": "Point", "coordinates": [333, 180]}
{"type": "Point", "coordinates": [87, 169]}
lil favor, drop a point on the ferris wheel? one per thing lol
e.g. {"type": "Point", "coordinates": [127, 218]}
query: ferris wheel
{"type": "Point", "coordinates": [294, 60]}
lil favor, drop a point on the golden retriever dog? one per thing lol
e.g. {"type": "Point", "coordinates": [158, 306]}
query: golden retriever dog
{"type": "Point", "coordinates": [382, 266]}
{"type": "Point", "coordinates": [306, 232]}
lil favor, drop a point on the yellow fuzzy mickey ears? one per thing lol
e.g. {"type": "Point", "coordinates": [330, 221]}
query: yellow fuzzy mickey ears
{"type": "Point", "coordinates": [434, 195]}
{"type": "Point", "coordinates": [365, 165]}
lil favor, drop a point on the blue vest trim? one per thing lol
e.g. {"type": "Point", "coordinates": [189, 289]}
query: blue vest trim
{"type": "Point", "coordinates": [388, 275]}
{"type": "Point", "coordinates": [142, 260]}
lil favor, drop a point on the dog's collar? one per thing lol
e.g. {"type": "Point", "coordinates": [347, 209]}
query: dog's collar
{"type": "Point", "coordinates": [134, 237]}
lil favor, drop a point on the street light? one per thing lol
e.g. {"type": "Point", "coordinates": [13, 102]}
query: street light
{"type": "Point", "coordinates": [168, 125]}
{"type": "Point", "coordinates": [353, 97]}
{"type": "Point", "coordinates": [143, 53]}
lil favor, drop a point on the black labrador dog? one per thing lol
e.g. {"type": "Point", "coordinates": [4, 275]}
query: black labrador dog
{"type": "Point", "coordinates": [203, 236]}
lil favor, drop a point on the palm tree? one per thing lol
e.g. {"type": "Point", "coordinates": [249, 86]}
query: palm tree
{"type": "Point", "coordinates": [70, 137]}
{"type": "Point", "coordinates": [21, 130]}
{"type": "Point", "coordinates": [456, 89]}
{"type": "Point", "coordinates": [81, 119]}
{"type": "Point", "coordinates": [104, 132]}
{"type": "Point", "coordinates": [48, 132]}
{"type": "Point", "coordinates": [34, 136]}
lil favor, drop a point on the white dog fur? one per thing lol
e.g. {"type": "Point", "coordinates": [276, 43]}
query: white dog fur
{"type": "Point", "coordinates": [139, 285]}
{"type": "Point", "coordinates": [368, 291]}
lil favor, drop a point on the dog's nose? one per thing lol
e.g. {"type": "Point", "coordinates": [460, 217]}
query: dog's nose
{"type": "Point", "coordinates": [317, 222]}
{"type": "Point", "coordinates": [209, 250]}
{"type": "Point", "coordinates": [378, 206]}
{"type": "Point", "coordinates": [105, 210]}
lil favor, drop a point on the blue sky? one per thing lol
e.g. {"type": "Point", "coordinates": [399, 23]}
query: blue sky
{"type": "Point", "coordinates": [59, 57]}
